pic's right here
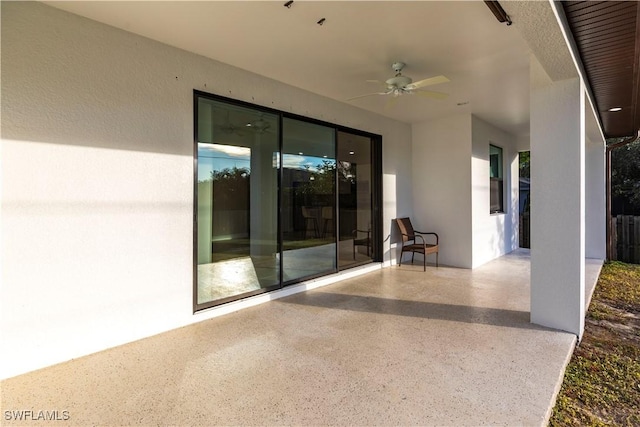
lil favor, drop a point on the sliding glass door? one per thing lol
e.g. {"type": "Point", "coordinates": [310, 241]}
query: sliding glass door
{"type": "Point", "coordinates": [237, 245]}
{"type": "Point", "coordinates": [355, 183]}
{"type": "Point", "coordinates": [279, 199]}
{"type": "Point", "coordinates": [308, 199]}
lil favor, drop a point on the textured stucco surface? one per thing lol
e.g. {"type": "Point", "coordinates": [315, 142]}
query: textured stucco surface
{"type": "Point", "coordinates": [558, 207]}
{"type": "Point", "coordinates": [537, 23]}
{"type": "Point", "coordinates": [97, 180]}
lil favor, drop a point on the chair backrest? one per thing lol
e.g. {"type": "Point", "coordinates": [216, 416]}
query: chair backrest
{"type": "Point", "coordinates": [404, 224]}
{"type": "Point", "coordinates": [305, 212]}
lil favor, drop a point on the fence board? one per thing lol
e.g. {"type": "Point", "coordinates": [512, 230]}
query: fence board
{"type": "Point", "coordinates": [626, 238]}
{"type": "Point", "coordinates": [636, 241]}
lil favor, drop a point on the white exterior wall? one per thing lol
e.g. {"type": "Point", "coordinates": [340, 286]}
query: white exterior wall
{"type": "Point", "coordinates": [558, 194]}
{"type": "Point", "coordinates": [493, 234]}
{"type": "Point", "coordinates": [97, 180]}
{"type": "Point", "coordinates": [442, 186]}
{"type": "Point", "coordinates": [595, 190]}
{"type": "Point", "coordinates": [523, 143]}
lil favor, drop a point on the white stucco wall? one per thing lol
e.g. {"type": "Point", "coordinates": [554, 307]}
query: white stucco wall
{"type": "Point", "coordinates": [442, 185]}
{"type": "Point", "coordinates": [493, 234]}
{"type": "Point", "coordinates": [451, 189]}
{"type": "Point", "coordinates": [558, 207]}
{"type": "Point", "coordinates": [97, 180]}
{"type": "Point", "coordinates": [523, 143]}
{"type": "Point", "coordinates": [595, 201]}
{"type": "Point", "coordinates": [595, 188]}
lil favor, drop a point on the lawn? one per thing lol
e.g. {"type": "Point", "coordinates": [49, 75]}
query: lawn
{"type": "Point", "coordinates": [602, 381]}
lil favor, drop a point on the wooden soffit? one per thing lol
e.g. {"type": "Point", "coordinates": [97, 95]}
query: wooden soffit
{"type": "Point", "coordinates": [607, 34]}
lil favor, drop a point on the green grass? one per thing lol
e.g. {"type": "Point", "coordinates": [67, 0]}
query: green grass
{"type": "Point", "coordinates": [601, 385]}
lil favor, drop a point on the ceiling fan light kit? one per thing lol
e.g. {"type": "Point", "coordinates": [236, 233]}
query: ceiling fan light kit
{"type": "Point", "coordinates": [401, 85]}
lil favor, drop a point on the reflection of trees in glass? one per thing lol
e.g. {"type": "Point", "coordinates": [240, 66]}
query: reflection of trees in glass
{"type": "Point", "coordinates": [230, 188]}
{"type": "Point", "coordinates": [525, 164]}
{"type": "Point", "coordinates": [321, 181]}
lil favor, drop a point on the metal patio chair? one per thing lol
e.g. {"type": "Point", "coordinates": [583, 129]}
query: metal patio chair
{"type": "Point", "coordinates": [413, 241]}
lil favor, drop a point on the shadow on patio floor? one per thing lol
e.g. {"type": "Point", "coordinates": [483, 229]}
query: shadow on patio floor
{"type": "Point", "coordinates": [419, 309]}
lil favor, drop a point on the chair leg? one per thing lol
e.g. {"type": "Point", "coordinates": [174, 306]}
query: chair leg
{"type": "Point", "coordinates": [436, 259]}
{"type": "Point", "coordinates": [424, 261]}
{"type": "Point", "coordinates": [400, 260]}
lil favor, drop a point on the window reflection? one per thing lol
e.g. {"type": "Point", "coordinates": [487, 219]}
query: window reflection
{"type": "Point", "coordinates": [354, 196]}
{"type": "Point", "coordinates": [308, 200]}
{"type": "Point", "coordinates": [237, 202]}
{"type": "Point", "coordinates": [276, 204]}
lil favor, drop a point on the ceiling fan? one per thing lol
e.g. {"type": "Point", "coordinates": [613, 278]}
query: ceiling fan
{"type": "Point", "coordinates": [402, 85]}
{"type": "Point", "coordinates": [259, 126]}
{"type": "Point", "coordinates": [227, 127]}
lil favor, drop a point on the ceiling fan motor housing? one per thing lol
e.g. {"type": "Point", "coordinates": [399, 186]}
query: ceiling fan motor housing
{"type": "Point", "coordinates": [398, 82]}
{"type": "Point", "coordinates": [397, 66]}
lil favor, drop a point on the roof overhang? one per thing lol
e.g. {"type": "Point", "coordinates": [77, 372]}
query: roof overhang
{"type": "Point", "coordinates": [607, 37]}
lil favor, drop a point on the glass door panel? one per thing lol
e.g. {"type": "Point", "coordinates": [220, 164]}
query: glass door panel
{"type": "Point", "coordinates": [237, 249]}
{"type": "Point", "coordinates": [354, 164]}
{"type": "Point", "coordinates": [308, 219]}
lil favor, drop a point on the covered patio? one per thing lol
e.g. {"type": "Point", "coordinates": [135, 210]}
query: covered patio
{"type": "Point", "coordinates": [395, 346]}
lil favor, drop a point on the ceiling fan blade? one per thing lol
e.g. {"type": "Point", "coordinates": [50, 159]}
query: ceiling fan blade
{"type": "Point", "coordinates": [427, 82]}
{"type": "Point", "coordinates": [430, 94]}
{"type": "Point", "coordinates": [368, 94]}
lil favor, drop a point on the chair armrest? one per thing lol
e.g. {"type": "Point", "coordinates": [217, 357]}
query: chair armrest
{"type": "Point", "coordinates": [356, 231]}
{"type": "Point", "coordinates": [427, 234]}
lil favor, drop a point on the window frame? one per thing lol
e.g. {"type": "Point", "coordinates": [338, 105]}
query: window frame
{"type": "Point", "coordinates": [377, 221]}
{"type": "Point", "coordinates": [496, 183]}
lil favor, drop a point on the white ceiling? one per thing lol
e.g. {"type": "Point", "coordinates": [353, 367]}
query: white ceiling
{"type": "Point", "coordinates": [487, 62]}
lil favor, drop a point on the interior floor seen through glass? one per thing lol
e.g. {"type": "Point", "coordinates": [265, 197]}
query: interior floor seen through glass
{"type": "Point", "coordinates": [237, 250]}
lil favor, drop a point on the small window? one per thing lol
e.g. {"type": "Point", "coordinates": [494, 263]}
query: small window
{"type": "Point", "coordinates": [496, 182]}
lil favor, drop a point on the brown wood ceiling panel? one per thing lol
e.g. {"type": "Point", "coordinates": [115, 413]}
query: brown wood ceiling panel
{"type": "Point", "coordinates": [605, 23]}
{"type": "Point", "coordinates": [607, 34]}
{"type": "Point", "coordinates": [603, 38]}
{"type": "Point", "coordinates": [580, 7]}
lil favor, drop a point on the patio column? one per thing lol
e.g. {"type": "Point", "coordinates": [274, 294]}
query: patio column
{"type": "Point", "coordinates": [596, 204]}
{"type": "Point", "coordinates": [557, 202]}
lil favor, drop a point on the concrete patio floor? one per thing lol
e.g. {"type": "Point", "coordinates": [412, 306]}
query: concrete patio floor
{"type": "Point", "coordinates": [394, 347]}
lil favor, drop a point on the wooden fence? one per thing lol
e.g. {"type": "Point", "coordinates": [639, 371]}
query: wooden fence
{"type": "Point", "coordinates": [625, 232]}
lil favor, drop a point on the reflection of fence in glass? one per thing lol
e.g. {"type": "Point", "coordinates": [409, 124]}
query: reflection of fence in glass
{"type": "Point", "coordinates": [231, 191]}
{"type": "Point", "coordinates": [525, 231]}
{"type": "Point", "coordinates": [625, 231]}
